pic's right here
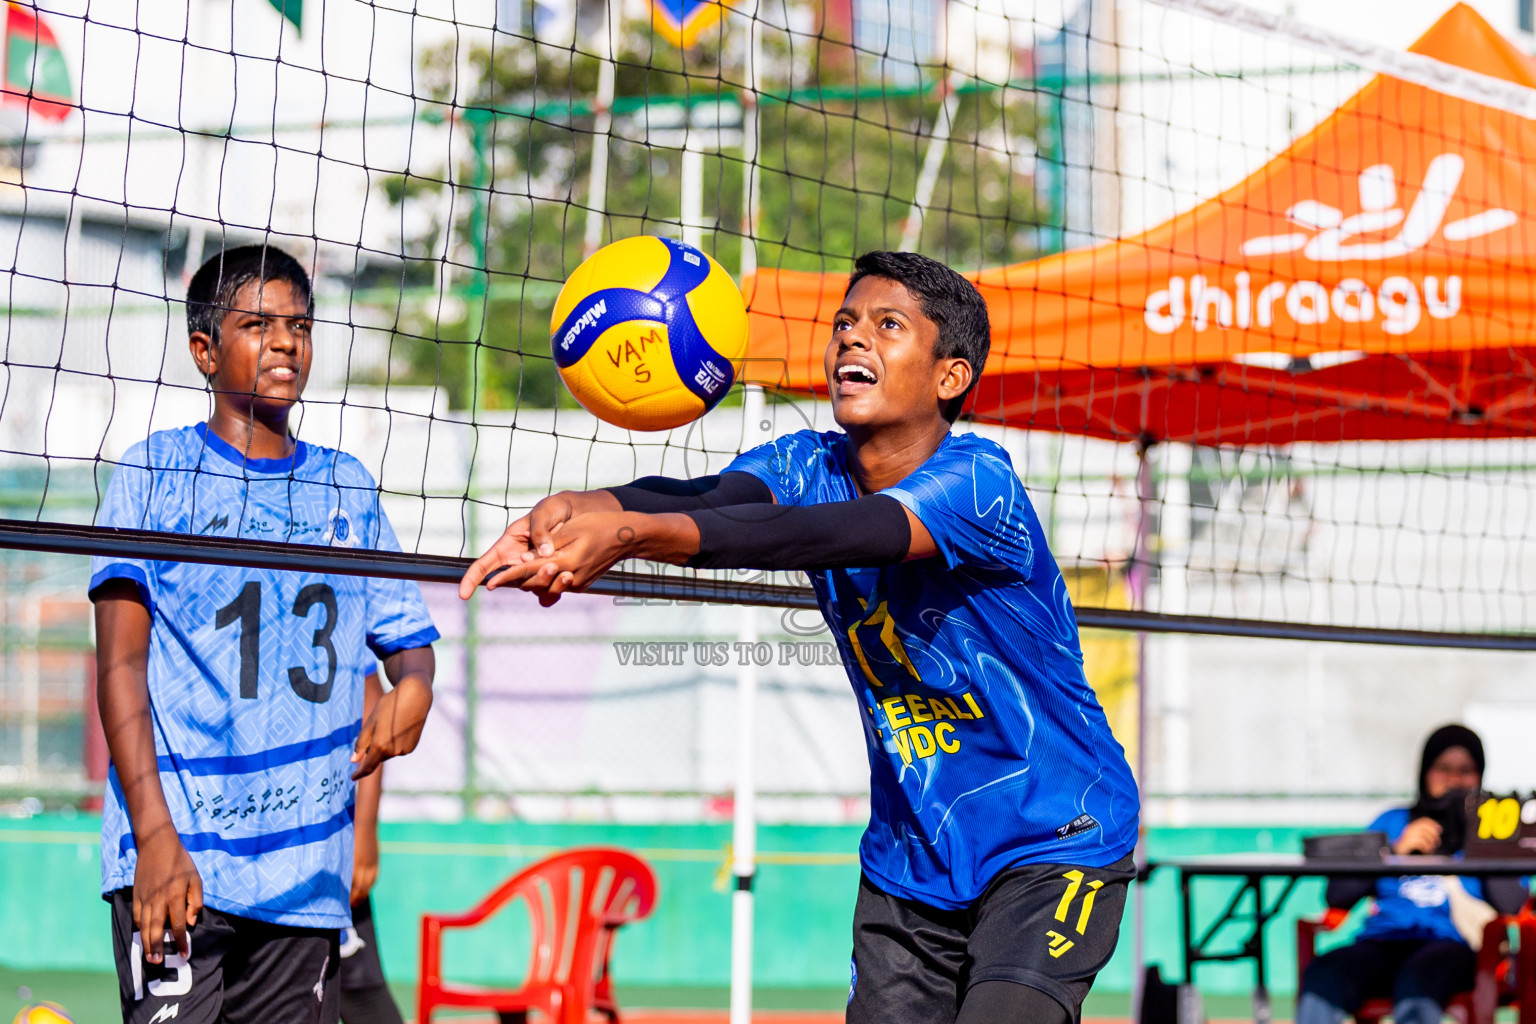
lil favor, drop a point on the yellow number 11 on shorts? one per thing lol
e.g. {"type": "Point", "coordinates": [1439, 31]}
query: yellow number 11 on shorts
{"type": "Point", "coordinates": [1074, 885]}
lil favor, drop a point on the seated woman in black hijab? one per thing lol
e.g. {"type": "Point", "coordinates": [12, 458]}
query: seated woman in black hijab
{"type": "Point", "coordinates": [1410, 949]}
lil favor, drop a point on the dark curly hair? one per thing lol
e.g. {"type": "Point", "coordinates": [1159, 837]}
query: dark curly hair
{"type": "Point", "coordinates": [946, 298]}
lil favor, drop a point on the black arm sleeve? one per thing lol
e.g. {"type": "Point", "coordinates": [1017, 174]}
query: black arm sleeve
{"type": "Point", "coordinates": [1344, 893]}
{"type": "Point", "coordinates": [665, 494]}
{"type": "Point", "coordinates": [865, 532]}
{"type": "Point", "coordinates": [1506, 895]}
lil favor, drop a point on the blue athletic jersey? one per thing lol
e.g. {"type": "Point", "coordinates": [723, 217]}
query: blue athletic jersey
{"type": "Point", "coordinates": [1415, 906]}
{"type": "Point", "coordinates": [256, 676]}
{"type": "Point", "coordinates": [987, 746]}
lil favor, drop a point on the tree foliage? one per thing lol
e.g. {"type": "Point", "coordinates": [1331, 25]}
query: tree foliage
{"type": "Point", "coordinates": [838, 169]}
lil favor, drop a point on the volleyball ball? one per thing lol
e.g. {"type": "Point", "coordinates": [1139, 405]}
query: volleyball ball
{"type": "Point", "coordinates": [648, 333]}
{"type": "Point", "coordinates": [43, 1013]}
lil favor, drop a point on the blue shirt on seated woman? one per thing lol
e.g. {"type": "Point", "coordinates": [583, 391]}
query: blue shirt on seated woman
{"type": "Point", "coordinates": [1416, 907]}
{"type": "Point", "coordinates": [1410, 948]}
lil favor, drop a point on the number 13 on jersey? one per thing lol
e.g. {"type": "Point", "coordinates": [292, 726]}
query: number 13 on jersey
{"type": "Point", "coordinates": [244, 613]}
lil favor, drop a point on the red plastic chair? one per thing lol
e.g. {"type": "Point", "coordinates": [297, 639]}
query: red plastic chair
{"type": "Point", "coordinates": [1501, 979]}
{"type": "Point", "coordinates": [568, 976]}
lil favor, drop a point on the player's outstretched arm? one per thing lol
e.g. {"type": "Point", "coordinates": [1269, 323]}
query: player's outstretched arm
{"type": "Point", "coordinates": [521, 542]}
{"type": "Point", "coordinates": [394, 727]}
{"type": "Point", "coordinates": [666, 494]}
{"type": "Point", "coordinates": [529, 537]}
{"type": "Point", "coordinates": [532, 535]}
{"type": "Point", "coordinates": [871, 531]}
{"type": "Point", "coordinates": [588, 546]}
{"type": "Point", "coordinates": [166, 885]}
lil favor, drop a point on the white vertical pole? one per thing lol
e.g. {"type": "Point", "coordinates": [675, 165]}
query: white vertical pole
{"type": "Point", "coordinates": [933, 160]}
{"type": "Point", "coordinates": [1173, 597]}
{"type": "Point", "coordinates": [744, 825]}
{"type": "Point", "coordinates": [693, 193]}
{"type": "Point", "coordinates": [199, 84]}
{"type": "Point", "coordinates": [602, 126]}
{"type": "Point", "coordinates": [1138, 576]}
{"type": "Point", "coordinates": [751, 142]}
{"type": "Point", "coordinates": [31, 683]}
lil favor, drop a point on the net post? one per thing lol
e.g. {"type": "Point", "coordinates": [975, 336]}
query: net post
{"type": "Point", "coordinates": [744, 821]}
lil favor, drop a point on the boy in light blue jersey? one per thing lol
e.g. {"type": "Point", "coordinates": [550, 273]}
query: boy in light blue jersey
{"type": "Point", "coordinates": [1002, 811]}
{"type": "Point", "coordinates": [231, 697]}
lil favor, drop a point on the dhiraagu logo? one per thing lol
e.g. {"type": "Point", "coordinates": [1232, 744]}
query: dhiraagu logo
{"type": "Point", "coordinates": [1381, 230]}
{"type": "Point", "coordinates": [1327, 235]}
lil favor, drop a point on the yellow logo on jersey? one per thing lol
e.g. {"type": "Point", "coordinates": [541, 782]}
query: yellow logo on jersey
{"type": "Point", "coordinates": [893, 645]}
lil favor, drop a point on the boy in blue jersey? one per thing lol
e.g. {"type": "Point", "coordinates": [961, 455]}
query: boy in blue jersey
{"type": "Point", "coordinates": [1002, 811]}
{"type": "Point", "coordinates": [231, 698]}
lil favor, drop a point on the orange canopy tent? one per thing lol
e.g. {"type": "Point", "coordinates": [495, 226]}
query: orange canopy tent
{"type": "Point", "coordinates": [1373, 281]}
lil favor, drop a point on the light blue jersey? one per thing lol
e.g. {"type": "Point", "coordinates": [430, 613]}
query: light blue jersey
{"type": "Point", "coordinates": [256, 676]}
{"type": "Point", "coordinates": [987, 746]}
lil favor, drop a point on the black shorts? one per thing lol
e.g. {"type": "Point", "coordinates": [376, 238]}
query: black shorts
{"type": "Point", "coordinates": [239, 970]}
{"type": "Point", "coordinates": [365, 997]}
{"type": "Point", "coordinates": [1050, 927]}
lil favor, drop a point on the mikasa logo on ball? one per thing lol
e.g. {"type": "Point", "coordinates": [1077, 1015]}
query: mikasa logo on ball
{"type": "Point", "coordinates": [588, 318]}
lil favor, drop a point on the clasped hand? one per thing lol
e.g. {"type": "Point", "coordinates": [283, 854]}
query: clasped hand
{"type": "Point", "coordinates": [576, 552]}
{"type": "Point", "coordinates": [567, 541]}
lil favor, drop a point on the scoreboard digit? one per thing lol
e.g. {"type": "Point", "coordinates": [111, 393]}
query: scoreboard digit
{"type": "Point", "coordinates": [1501, 825]}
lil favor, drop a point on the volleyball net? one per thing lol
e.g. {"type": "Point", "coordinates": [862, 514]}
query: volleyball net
{"type": "Point", "coordinates": [1260, 292]}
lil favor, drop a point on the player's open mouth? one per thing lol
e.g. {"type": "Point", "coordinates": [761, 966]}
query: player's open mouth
{"type": "Point", "coordinates": [286, 374]}
{"type": "Point", "coordinates": [855, 378]}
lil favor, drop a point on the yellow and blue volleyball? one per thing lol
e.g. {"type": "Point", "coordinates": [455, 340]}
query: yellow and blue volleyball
{"type": "Point", "coordinates": [649, 333]}
{"type": "Point", "coordinates": [43, 1013]}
